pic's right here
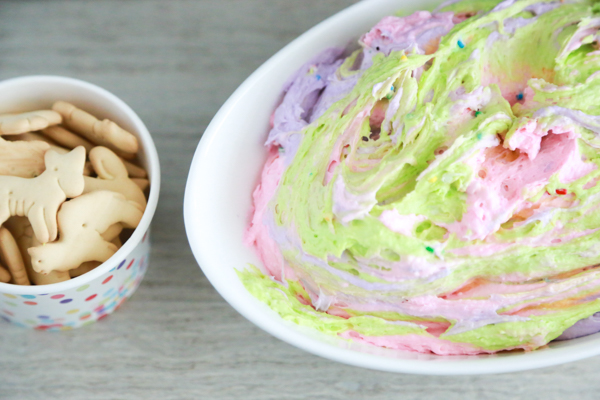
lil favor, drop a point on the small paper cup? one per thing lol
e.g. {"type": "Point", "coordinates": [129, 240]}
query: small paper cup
{"type": "Point", "coordinates": [96, 294]}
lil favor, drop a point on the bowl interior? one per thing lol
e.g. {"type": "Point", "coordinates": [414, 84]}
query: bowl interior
{"type": "Point", "coordinates": [225, 171]}
{"type": "Point", "coordinates": [40, 92]}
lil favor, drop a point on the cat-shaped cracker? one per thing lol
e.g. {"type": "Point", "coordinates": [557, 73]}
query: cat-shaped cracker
{"type": "Point", "coordinates": [81, 223]}
{"type": "Point", "coordinates": [39, 198]}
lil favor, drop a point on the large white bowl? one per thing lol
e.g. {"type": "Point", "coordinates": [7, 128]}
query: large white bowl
{"type": "Point", "coordinates": [225, 171]}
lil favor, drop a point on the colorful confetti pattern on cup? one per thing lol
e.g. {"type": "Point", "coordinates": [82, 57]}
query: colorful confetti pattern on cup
{"type": "Point", "coordinates": [84, 304]}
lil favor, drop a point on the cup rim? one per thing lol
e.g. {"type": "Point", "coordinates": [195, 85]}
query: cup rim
{"type": "Point", "coordinates": [151, 154]}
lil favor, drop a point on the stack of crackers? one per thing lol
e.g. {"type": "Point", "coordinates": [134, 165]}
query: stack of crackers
{"type": "Point", "coordinates": [70, 193]}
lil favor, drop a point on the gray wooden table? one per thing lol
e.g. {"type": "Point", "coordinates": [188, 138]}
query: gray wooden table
{"type": "Point", "coordinates": [175, 62]}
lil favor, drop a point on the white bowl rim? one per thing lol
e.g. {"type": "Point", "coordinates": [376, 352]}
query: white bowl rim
{"type": "Point", "coordinates": [154, 171]}
{"type": "Point", "coordinates": [442, 365]}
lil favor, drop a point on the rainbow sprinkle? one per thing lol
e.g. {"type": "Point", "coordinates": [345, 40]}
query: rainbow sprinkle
{"type": "Point", "coordinates": [520, 96]}
{"type": "Point", "coordinates": [403, 58]}
{"type": "Point", "coordinates": [477, 113]}
{"type": "Point", "coordinates": [433, 180]}
{"type": "Point", "coordinates": [430, 249]}
{"type": "Point", "coordinates": [390, 95]}
{"type": "Point", "coordinates": [460, 44]}
{"type": "Point", "coordinates": [479, 136]}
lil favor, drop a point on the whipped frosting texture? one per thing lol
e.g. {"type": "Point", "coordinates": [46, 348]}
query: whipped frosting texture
{"type": "Point", "coordinates": [436, 190]}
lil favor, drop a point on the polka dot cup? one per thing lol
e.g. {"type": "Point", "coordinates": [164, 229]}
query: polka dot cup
{"type": "Point", "coordinates": [92, 296]}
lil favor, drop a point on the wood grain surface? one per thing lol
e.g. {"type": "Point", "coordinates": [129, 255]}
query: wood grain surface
{"type": "Point", "coordinates": [175, 62]}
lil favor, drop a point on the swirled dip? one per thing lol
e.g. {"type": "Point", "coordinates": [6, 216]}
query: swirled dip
{"type": "Point", "coordinates": [436, 189]}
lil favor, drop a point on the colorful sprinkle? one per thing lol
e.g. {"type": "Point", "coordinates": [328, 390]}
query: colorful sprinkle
{"type": "Point", "coordinates": [57, 296]}
{"type": "Point", "coordinates": [561, 192]}
{"type": "Point", "coordinates": [107, 280]}
{"type": "Point", "coordinates": [403, 58]}
{"type": "Point", "coordinates": [433, 180]}
{"type": "Point", "coordinates": [30, 303]}
{"type": "Point", "coordinates": [430, 249]}
{"type": "Point", "coordinates": [318, 77]}
{"type": "Point", "coordinates": [479, 136]}
{"type": "Point", "coordinates": [520, 96]}
{"type": "Point", "coordinates": [47, 327]}
{"type": "Point", "coordinates": [82, 288]}
{"type": "Point", "coordinates": [460, 44]}
{"type": "Point", "coordinates": [28, 296]}
{"type": "Point", "coordinates": [92, 297]}
{"type": "Point", "coordinates": [65, 301]}
{"type": "Point", "coordinates": [104, 301]}
{"type": "Point", "coordinates": [477, 113]}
